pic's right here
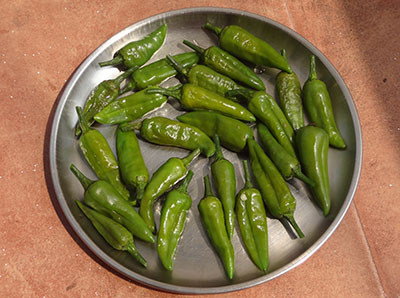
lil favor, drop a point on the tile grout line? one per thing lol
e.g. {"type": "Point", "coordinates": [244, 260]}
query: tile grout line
{"type": "Point", "coordinates": [370, 251]}
{"type": "Point", "coordinates": [289, 15]}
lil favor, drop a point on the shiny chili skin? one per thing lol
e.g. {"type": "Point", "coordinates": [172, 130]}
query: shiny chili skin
{"type": "Point", "coordinates": [100, 157]}
{"type": "Point", "coordinates": [138, 52]}
{"type": "Point", "coordinates": [193, 97]}
{"type": "Point", "coordinates": [287, 164]}
{"type": "Point", "coordinates": [172, 222]}
{"type": "Point", "coordinates": [166, 176]}
{"type": "Point", "coordinates": [158, 71]}
{"type": "Point", "coordinates": [114, 233]}
{"type": "Point", "coordinates": [100, 97]}
{"type": "Point", "coordinates": [223, 62]}
{"type": "Point", "coordinates": [223, 174]}
{"type": "Point", "coordinates": [313, 144]}
{"type": "Point", "coordinates": [168, 132]}
{"type": "Point", "coordinates": [252, 219]}
{"type": "Point", "coordinates": [212, 215]}
{"type": "Point", "coordinates": [319, 107]}
{"type": "Point", "coordinates": [102, 196]}
{"type": "Point", "coordinates": [244, 45]}
{"type": "Point", "coordinates": [131, 107]}
{"type": "Point", "coordinates": [233, 134]}
{"type": "Point", "coordinates": [288, 88]}
{"type": "Point", "coordinates": [205, 77]}
{"type": "Point", "coordinates": [131, 164]}
{"type": "Point", "coordinates": [275, 192]}
{"type": "Point", "coordinates": [264, 107]}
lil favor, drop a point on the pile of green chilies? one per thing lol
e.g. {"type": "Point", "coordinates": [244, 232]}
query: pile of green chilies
{"type": "Point", "coordinates": [223, 97]}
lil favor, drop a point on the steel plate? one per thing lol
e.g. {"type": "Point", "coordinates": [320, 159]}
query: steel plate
{"type": "Point", "coordinates": [197, 267]}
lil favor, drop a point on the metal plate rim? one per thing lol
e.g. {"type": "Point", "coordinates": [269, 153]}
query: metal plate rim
{"type": "Point", "coordinates": [209, 290]}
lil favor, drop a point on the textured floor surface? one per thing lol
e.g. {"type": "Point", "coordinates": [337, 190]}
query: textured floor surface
{"type": "Point", "coordinates": [42, 43]}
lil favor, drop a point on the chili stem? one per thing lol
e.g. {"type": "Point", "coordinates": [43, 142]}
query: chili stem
{"type": "Point", "coordinates": [118, 80]}
{"type": "Point", "coordinates": [313, 73]}
{"type": "Point", "coordinates": [218, 151]}
{"type": "Point", "coordinates": [207, 185]}
{"type": "Point", "coordinates": [246, 167]}
{"type": "Point", "coordinates": [194, 47]}
{"type": "Point", "coordinates": [85, 181]}
{"type": "Point", "coordinates": [291, 220]}
{"type": "Point", "coordinates": [304, 178]}
{"type": "Point", "coordinates": [116, 61]}
{"type": "Point", "coordinates": [188, 159]}
{"type": "Point", "coordinates": [82, 123]}
{"type": "Point", "coordinates": [213, 28]}
{"type": "Point", "coordinates": [178, 67]}
{"type": "Point", "coordinates": [174, 92]}
{"type": "Point", "coordinates": [184, 185]}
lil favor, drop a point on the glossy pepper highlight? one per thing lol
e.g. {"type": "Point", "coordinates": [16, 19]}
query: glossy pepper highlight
{"type": "Point", "coordinates": [223, 62]}
{"type": "Point", "coordinates": [265, 108]}
{"type": "Point", "coordinates": [274, 190]}
{"type": "Point", "coordinates": [223, 174]}
{"type": "Point", "coordinates": [313, 144]}
{"type": "Point", "coordinates": [168, 132]}
{"type": "Point", "coordinates": [233, 134]}
{"type": "Point", "coordinates": [100, 157]}
{"type": "Point", "coordinates": [252, 219]}
{"type": "Point", "coordinates": [288, 88]}
{"type": "Point", "coordinates": [157, 72]}
{"type": "Point", "coordinates": [172, 223]}
{"type": "Point", "coordinates": [193, 97]}
{"type": "Point", "coordinates": [131, 164]}
{"type": "Point", "coordinates": [102, 196]}
{"type": "Point", "coordinates": [171, 172]}
{"type": "Point", "coordinates": [137, 53]}
{"type": "Point", "coordinates": [287, 164]}
{"type": "Point", "coordinates": [205, 77]}
{"type": "Point", "coordinates": [131, 107]}
{"type": "Point", "coordinates": [212, 216]}
{"type": "Point", "coordinates": [100, 97]}
{"type": "Point", "coordinates": [114, 233]}
{"type": "Point", "coordinates": [244, 45]}
{"type": "Point", "coordinates": [319, 107]}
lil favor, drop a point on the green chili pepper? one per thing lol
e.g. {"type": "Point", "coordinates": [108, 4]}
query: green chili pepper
{"type": "Point", "coordinates": [225, 63]}
{"type": "Point", "coordinates": [157, 72]}
{"type": "Point", "coordinates": [205, 77]}
{"type": "Point", "coordinates": [246, 46]}
{"type": "Point", "coordinates": [275, 192]}
{"type": "Point", "coordinates": [172, 223]}
{"type": "Point", "coordinates": [100, 97]}
{"type": "Point", "coordinates": [100, 157]}
{"type": "Point", "coordinates": [252, 220]}
{"type": "Point", "coordinates": [212, 215]}
{"type": "Point", "coordinates": [168, 132]}
{"type": "Point", "coordinates": [313, 144]}
{"type": "Point", "coordinates": [131, 164]}
{"type": "Point", "coordinates": [287, 164]}
{"type": "Point", "coordinates": [193, 97]}
{"type": "Point", "coordinates": [171, 172]}
{"type": "Point", "coordinates": [130, 107]}
{"type": "Point", "coordinates": [289, 93]}
{"type": "Point", "coordinates": [319, 107]}
{"type": "Point", "coordinates": [233, 133]}
{"type": "Point", "coordinates": [137, 53]}
{"type": "Point", "coordinates": [264, 107]}
{"type": "Point", "coordinates": [223, 173]}
{"type": "Point", "coordinates": [114, 233]}
{"type": "Point", "coordinates": [102, 196]}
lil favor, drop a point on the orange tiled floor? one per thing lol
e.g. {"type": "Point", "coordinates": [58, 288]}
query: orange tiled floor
{"type": "Point", "coordinates": [42, 42]}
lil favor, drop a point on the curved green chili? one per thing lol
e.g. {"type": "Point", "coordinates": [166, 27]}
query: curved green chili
{"type": "Point", "coordinates": [313, 144]}
{"type": "Point", "coordinates": [171, 172]}
{"type": "Point", "coordinates": [232, 133]}
{"type": "Point", "coordinates": [319, 107]}
{"type": "Point", "coordinates": [225, 63]}
{"type": "Point", "coordinates": [193, 97]}
{"type": "Point", "coordinates": [223, 174]}
{"type": "Point", "coordinates": [252, 220]}
{"type": "Point", "coordinates": [102, 196]}
{"type": "Point", "coordinates": [138, 52]}
{"type": "Point", "coordinates": [172, 222]}
{"type": "Point", "coordinates": [114, 233]}
{"type": "Point", "coordinates": [246, 46]}
{"type": "Point", "coordinates": [212, 215]}
{"type": "Point", "coordinates": [289, 93]}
